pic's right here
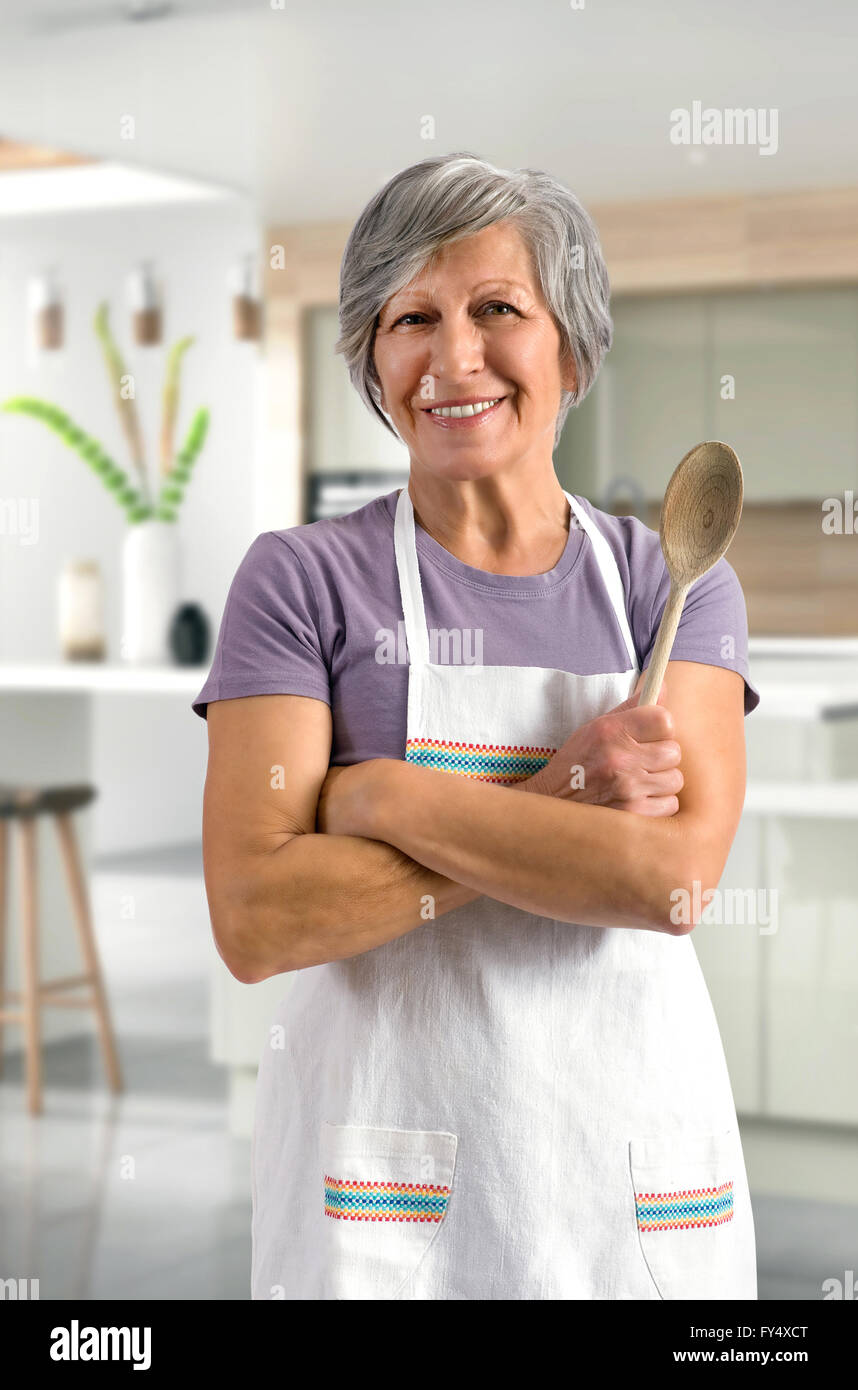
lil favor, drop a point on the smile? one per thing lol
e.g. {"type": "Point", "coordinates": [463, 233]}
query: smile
{"type": "Point", "coordinates": [459, 416]}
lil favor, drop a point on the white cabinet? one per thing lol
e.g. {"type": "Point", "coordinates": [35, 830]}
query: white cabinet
{"type": "Point", "coordinates": [730, 957]}
{"type": "Point", "coordinates": [811, 972]}
{"type": "Point", "coordinates": [785, 997]}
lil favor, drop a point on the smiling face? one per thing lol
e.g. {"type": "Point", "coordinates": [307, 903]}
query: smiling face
{"type": "Point", "coordinates": [473, 327]}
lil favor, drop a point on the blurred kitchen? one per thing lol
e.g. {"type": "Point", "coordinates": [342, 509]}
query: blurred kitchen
{"type": "Point", "coordinates": [177, 181]}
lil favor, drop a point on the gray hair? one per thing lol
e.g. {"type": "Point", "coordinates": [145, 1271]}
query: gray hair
{"type": "Point", "coordinates": [444, 199]}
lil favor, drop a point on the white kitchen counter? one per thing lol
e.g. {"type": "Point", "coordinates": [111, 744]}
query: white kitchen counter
{"type": "Point", "coordinates": [803, 646]}
{"type": "Point", "coordinates": [835, 800]}
{"type": "Point", "coordinates": [98, 677]}
{"type": "Point", "coordinates": [805, 677]}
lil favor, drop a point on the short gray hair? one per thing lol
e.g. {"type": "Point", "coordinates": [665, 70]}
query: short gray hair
{"type": "Point", "coordinates": [444, 199]}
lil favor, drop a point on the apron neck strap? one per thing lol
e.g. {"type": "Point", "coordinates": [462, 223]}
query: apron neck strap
{"type": "Point", "coordinates": [610, 574]}
{"type": "Point", "coordinates": [411, 591]}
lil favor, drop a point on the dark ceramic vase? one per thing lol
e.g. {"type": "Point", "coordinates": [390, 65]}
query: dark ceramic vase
{"type": "Point", "coordinates": [189, 635]}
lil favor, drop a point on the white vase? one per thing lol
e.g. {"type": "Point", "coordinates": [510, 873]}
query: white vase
{"type": "Point", "coordinates": [151, 591]}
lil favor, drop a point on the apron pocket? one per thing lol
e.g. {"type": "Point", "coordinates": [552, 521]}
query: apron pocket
{"type": "Point", "coordinates": [385, 1196]}
{"type": "Point", "coordinates": [683, 1193]}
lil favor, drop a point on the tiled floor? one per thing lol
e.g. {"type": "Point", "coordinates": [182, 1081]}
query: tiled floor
{"type": "Point", "coordinates": [143, 1197]}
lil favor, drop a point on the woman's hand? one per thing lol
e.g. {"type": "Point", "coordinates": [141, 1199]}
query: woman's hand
{"type": "Point", "coordinates": [626, 759]}
{"type": "Point", "coordinates": [346, 799]}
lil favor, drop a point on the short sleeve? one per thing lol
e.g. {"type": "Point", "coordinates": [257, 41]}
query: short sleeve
{"type": "Point", "coordinates": [713, 628]}
{"type": "Point", "coordinates": [269, 641]}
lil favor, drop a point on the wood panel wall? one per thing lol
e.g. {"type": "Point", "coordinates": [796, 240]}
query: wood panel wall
{"type": "Point", "coordinates": [805, 238]}
{"type": "Point", "coordinates": [797, 581]}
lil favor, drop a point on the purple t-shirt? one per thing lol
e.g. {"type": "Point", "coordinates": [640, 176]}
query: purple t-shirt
{"type": "Point", "coordinates": [315, 610]}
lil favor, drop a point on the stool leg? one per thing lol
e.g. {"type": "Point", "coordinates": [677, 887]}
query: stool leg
{"type": "Point", "coordinates": [83, 921]}
{"type": "Point", "coordinates": [30, 923]}
{"type": "Point", "coordinates": [4, 871]}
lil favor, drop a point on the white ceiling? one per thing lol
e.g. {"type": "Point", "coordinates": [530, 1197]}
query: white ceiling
{"type": "Point", "coordinates": [307, 109]}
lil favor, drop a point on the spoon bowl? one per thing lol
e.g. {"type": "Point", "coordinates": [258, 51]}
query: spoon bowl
{"type": "Point", "coordinates": [701, 510]}
{"type": "Point", "coordinates": [699, 518]}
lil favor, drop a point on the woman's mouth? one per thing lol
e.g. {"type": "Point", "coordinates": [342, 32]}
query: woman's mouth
{"type": "Point", "coordinates": [469, 415]}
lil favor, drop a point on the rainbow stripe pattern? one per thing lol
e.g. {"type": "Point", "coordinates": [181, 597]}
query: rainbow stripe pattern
{"type": "Point", "coordinates": [685, 1210]}
{"type": "Point", "coordinates": [487, 762]}
{"type": "Point", "coordinates": [347, 1200]}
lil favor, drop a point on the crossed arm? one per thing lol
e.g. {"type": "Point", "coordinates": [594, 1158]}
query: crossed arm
{"type": "Point", "coordinates": [282, 897]}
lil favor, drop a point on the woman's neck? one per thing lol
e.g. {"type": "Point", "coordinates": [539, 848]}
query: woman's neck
{"type": "Point", "coordinates": [502, 526]}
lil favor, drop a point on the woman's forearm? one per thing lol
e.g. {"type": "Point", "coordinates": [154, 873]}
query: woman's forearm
{"type": "Point", "coordinates": [320, 898]}
{"type": "Point", "coordinates": [426, 842]}
{"type": "Point", "coordinates": [556, 858]}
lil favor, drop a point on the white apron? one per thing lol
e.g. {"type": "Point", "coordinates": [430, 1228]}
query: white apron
{"type": "Point", "coordinates": [498, 1105]}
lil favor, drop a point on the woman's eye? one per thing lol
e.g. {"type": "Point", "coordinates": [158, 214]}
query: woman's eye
{"type": "Point", "coordinates": [494, 304]}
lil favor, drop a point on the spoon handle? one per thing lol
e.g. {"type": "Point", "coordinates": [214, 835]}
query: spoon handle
{"type": "Point", "coordinates": [663, 643]}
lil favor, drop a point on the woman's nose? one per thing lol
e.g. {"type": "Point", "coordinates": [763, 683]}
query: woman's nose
{"type": "Point", "coordinates": [457, 348]}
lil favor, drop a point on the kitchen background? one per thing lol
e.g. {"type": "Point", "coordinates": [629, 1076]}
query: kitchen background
{"type": "Point", "coordinates": [206, 162]}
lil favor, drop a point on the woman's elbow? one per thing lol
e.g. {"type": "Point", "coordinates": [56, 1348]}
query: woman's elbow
{"type": "Point", "coordinates": [230, 936]}
{"type": "Point", "coordinates": [241, 966]}
{"type": "Point", "coordinates": [685, 893]}
{"type": "Point", "coordinates": [241, 942]}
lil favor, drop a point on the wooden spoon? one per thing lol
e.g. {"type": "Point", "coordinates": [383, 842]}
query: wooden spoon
{"type": "Point", "coordinates": [699, 516]}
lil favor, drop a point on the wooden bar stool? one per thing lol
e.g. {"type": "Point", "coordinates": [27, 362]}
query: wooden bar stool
{"type": "Point", "coordinates": [23, 805]}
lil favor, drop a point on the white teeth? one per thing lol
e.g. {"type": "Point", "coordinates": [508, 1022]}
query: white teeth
{"type": "Point", "coordinates": [457, 412]}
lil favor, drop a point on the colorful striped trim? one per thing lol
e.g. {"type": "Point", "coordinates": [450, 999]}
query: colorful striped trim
{"type": "Point", "coordinates": [686, 1210]}
{"type": "Point", "coordinates": [487, 762]}
{"type": "Point", "coordinates": [347, 1200]}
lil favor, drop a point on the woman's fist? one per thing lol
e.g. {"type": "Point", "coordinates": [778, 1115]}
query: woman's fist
{"type": "Point", "coordinates": [626, 759]}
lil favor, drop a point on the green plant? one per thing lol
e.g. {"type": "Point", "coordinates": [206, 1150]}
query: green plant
{"type": "Point", "coordinates": [135, 498]}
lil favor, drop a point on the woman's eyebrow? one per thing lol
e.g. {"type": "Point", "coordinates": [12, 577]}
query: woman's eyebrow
{"type": "Point", "coordinates": [413, 295]}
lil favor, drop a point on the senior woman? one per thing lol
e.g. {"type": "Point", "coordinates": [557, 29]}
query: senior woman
{"type": "Point", "coordinates": [432, 794]}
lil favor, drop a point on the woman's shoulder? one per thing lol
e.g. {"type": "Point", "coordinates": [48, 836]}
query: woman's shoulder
{"type": "Point", "coordinates": [313, 571]}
